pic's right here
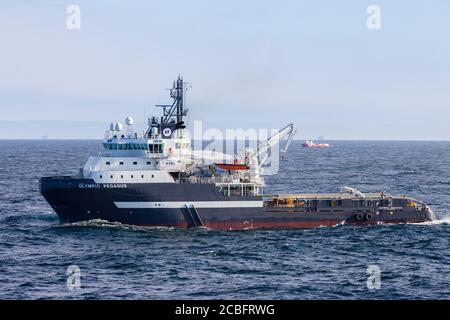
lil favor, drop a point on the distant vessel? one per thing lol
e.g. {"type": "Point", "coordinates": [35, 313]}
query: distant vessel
{"type": "Point", "coordinates": [156, 179]}
{"type": "Point", "coordinates": [312, 144]}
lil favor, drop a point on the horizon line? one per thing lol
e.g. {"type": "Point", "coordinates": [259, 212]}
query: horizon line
{"type": "Point", "coordinates": [330, 140]}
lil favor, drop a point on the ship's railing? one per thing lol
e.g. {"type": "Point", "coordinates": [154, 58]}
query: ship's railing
{"type": "Point", "coordinates": [238, 189]}
{"type": "Point", "coordinates": [226, 186]}
{"type": "Point", "coordinates": [208, 180]}
{"type": "Point", "coordinates": [336, 203]}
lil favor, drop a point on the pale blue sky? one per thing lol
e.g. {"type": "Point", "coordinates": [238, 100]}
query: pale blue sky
{"type": "Point", "coordinates": [252, 64]}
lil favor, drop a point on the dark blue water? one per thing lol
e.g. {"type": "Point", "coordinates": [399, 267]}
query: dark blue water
{"type": "Point", "coordinates": [119, 261]}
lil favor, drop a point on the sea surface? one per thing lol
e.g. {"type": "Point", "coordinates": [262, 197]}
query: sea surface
{"type": "Point", "coordinates": [125, 262]}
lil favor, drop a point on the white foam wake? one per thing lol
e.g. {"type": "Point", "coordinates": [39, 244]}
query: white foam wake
{"type": "Point", "coordinates": [443, 220]}
{"type": "Point", "coordinates": [99, 223]}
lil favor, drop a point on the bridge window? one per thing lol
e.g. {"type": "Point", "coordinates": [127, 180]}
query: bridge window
{"type": "Point", "coordinates": [121, 163]}
{"type": "Point", "coordinates": [111, 176]}
{"type": "Point", "coordinates": [121, 176]}
{"type": "Point", "coordinates": [126, 146]}
{"type": "Point", "coordinates": [149, 162]}
{"type": "Point", "coordinates": [142, 176]}
{"type": "Point", "coordinates": [155, 148]}
{"type": "Point", "coordinates": [108, 163]}
{"type": "Point", "coordinates": [134, 163]}
{"type": "Point", "coordinates": [132, 176]}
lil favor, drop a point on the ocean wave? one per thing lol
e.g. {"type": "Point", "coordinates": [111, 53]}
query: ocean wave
{"type": "Point", "coordinates": [342, 223]}
{"type": "Point", "coordinates": [208, 253]}
{"type": "Point", "coordinates": [26, 218]}
{"type": "Point", "coordinates": [100, 223]}
{"type": "Point", "coordinates": [391, 172]}
{"type": "Point", "coordinates": [444, 221]}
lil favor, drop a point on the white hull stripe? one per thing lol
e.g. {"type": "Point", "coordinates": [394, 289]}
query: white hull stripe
{"type": "Point", "coordinates": [182, 204]}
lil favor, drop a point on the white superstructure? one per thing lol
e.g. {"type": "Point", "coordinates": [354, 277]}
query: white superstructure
{"type": "Point", "coordinates": [163, 154]}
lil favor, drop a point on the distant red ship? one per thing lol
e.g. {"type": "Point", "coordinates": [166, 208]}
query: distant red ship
{"type": "Point", "coordinates": [312, 144]}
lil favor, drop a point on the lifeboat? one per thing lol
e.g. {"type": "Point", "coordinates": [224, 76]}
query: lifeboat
{"type": "Point", "coordinates": [233, 166]}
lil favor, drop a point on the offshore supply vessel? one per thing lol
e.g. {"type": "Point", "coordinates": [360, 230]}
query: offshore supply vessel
{"type": "Point", "coordinates": [157, 179]}
{"type": "Point", "coordinates": [312, 144]}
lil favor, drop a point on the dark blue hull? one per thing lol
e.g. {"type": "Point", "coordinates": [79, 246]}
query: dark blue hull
{"type": "Point", "coordinates": [190, 205]}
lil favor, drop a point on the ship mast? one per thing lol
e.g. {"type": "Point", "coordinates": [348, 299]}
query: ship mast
{"type": "Point", "coordinates": [173, 114]}
{"type": "Point", "coordinates": [176, 109]}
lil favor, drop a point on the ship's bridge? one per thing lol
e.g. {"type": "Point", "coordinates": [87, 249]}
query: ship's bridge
{"type": "Point", "coordinates": [158, 148]}
{"type": "Point", "coordinates": [132, 144]}
{"type": "Point", "coordinates": [130, 157]}
{"type": "Point", "coordinates": [126, 142]}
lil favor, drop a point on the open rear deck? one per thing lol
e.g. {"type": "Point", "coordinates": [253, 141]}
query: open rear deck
{"type": "Point", "coordinates": [339, 200]}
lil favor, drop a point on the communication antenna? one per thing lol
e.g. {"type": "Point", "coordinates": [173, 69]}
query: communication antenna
{"type": "Point", "coordinates": [129, 122]}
